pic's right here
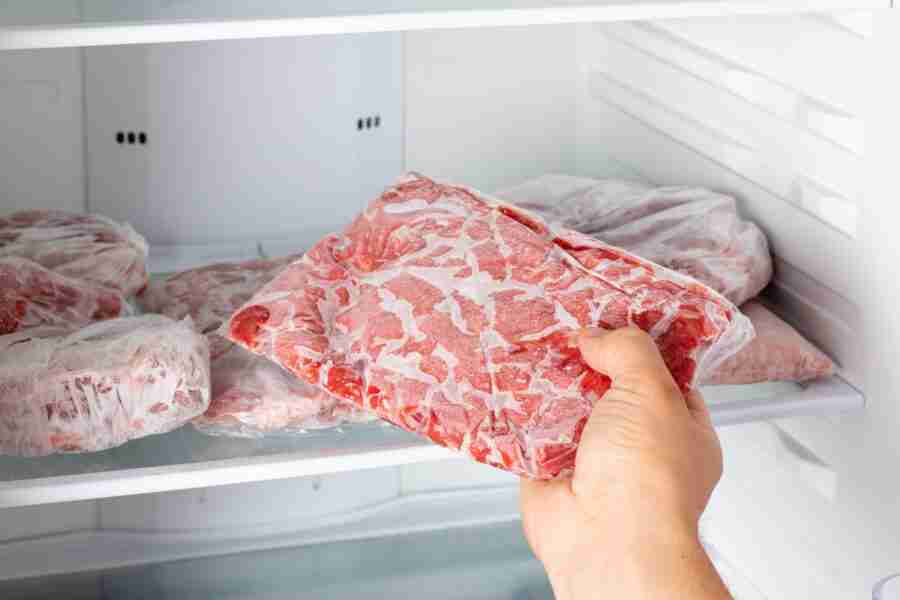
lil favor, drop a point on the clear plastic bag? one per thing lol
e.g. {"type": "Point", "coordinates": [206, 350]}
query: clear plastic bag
{"type": "Point", "coordinates": [101, 386]}
{"type": "Point", "coordinates": [777, 353]}
{"type": "Point", "coordinates": [452, 315]}
{"type": "Point", "coordinates": [254, 397]}
{"type": "Point", "coordinates": [32, 296]}
{"type": "Point", "coordinates": [251, 396]}
{"type": "Point", "coordinates": [690, 230]}
{"type": "Point", "coordinates": [694, 231]}
{"type": "Point", "coordinates": [87, 248]}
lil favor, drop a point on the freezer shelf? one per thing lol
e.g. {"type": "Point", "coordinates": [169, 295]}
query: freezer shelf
{"type": "Point", "coordinates": [186, 459]}
{"type": "Point", "coordinates": [464, 544]}
{"type": "Point", "coordinates": [111, 23]}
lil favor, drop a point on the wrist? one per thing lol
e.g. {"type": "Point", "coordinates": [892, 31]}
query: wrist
{"type": "Point", "coordinates": [619, 560]}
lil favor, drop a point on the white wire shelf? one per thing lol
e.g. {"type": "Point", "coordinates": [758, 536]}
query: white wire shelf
{"type": "Point", "coordinates": [107, 22]}
{"type": "Point", "coordinates": [186, 459]}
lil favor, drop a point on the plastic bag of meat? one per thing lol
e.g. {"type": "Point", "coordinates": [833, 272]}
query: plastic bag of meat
{"type": "Point", "coordinates": [31, 295]}
{"type": "Point", "coordinates": [99, 387]}
{"type": "Point", "coordinates": [251, 395]}
{"type": "Point", "coordinates": [84, 247]}
{"type": "Point", "coordinates": [691, 230]}
{"type": "Point", "coordinates": [254, 397]}
{"type": "Point", "coordinates": [210, 294]}
{"type": "Point", "coordinates": [452, 315]}
{"type": "Point", "coordinates": [777, 353]}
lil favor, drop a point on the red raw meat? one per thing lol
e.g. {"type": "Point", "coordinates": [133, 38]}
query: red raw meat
{"type": "Point", "coordinates": [85, 247]}
{"type": "Point", "coordinates": [690, 230]}
{"type": "Point", "coordinates": [777, 353]}
{"type": "Point", "coordinates": [251, 395]}
{"type": "Point", "coordinates": [101, 386]}
{"type": "Point", "coordinates": [452, 315]}
{"type": "Point", "coordinates": [31, 295]}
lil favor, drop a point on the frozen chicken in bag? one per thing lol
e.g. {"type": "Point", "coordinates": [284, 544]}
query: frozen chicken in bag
{"type": "Point", "coordinates": [452, 315]}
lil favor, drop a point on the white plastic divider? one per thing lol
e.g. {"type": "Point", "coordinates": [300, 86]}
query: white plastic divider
{"type": "Point", "coordinates": [321, 18]}
{"type": "Point", "coordinates": [186, 459]}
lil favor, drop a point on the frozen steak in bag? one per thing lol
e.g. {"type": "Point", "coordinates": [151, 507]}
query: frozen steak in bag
{"type": "Point", "coordinates": [451, 314]}
{"type": "Point", "coordinates": [31, 296]}
{"type": "Point", "coordinates": [688, 229]}
{"type": "Point", "coordinates": [85, 247]}
{"type": "Point", "coordinates": [101, 386]}
{"type": "Point", "coordinates": [251, 395]}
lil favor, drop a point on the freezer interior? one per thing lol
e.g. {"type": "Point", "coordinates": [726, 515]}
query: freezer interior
{"type": "Point", "coordinates": [225, 132]}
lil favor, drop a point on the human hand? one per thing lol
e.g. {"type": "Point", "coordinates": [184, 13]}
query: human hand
{"type": "Point", "coordinates": [625, 525]}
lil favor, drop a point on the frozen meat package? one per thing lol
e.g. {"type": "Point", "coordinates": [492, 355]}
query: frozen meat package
{"type": "Point", "coordinates": [32, 296]}
{"type": "Point", "coordinates": [251, 395]}
{"type": "Point", "coordinates": [101, 386]}
{"type": "Point", "coordinates": [89, 248]}
{"type": "Point", "coordinates": [688, 229]}
{"type": "Point", "coordinates": [777, 353]}
{"type": "Point", "coordinates": [697, 232]}
{"type": "Point", "coordinates": [452, 315]}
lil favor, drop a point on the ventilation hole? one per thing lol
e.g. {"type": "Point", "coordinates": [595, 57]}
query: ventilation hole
{"type": "Point", "coordinates": [377, 121]}
{"type": "Point", "coordinates": [142, 138]}
{"type": "Point", "coordinates": [120, 137]}
{"type": "Point", "coordinates": [359, 124]}
{"type": "Point", "coordinates": [368, 122]}
{"type": "Point", "coordinates": [130, 137]}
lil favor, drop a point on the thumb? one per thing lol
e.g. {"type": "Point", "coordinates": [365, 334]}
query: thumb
{"type": "Point", "coordinates": [632, 361]}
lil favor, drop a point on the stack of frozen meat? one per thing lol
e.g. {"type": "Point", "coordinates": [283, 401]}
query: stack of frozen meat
{"type": "Point", "coordinates": [439, 309]}
{"type": "Point", "coordinates": [76, 373]}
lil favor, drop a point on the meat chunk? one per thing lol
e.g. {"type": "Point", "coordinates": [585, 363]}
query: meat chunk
{"type": "Point", "coordinates": [452, 315]}
{"type": "Point", "coordinates": [251, 396]}
{"type": "Point", "coordinates": [99, 387]}
{"type": "Point", "coordinates": [777, 353]}
{"type": "Point", "coordinates": [85, 247]}
{"type": "Point", "coordinates": [31, 295]}
{"type": "Point", "coordinates": [691, 230]}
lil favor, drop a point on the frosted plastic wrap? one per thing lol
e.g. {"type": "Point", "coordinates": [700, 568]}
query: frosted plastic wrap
{"type": "Point", "coordinates": [452, 315]}
{"type": "Point", "coordinates": [251, 395]}
{"type": "Point", "coordinates": [84, 247]}
{"type": "Point", "coordinates": [777, 353]}
{"type": "Point", "coordinates": [254, 397]}
{"type": "Point", "coordinates": [99, 387]}
{"type": "Point", "coordinates": [31, 296]}
{"type": "Point", "coordinates": [690, 230]}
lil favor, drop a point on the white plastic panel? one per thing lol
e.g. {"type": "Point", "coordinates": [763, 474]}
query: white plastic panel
{"type": "Point", "coordinates": [112, 23]}
{"type": "Point", "coordinates": [491, 107]}
{"type": "Point", "coordinates": [41, 105]}
{"type": "Point", "coordinates": [245, 140]}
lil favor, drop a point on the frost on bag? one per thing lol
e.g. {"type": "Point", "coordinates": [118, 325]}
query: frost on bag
{"type": "Point", "coordinates": [251, 395]}
{"type": "Point", "coordinates": [691, 230]}
{"type": "Point", "coordinates": [85, 247]}
{"type": "Point", "coordinates": [254, 397]}
{"type": "Point", "coordinates": [452, 315]}
{"type": "Point", "coordinates": [31, 296]}
{"type": "Point", "coordinates": [99, 387]}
